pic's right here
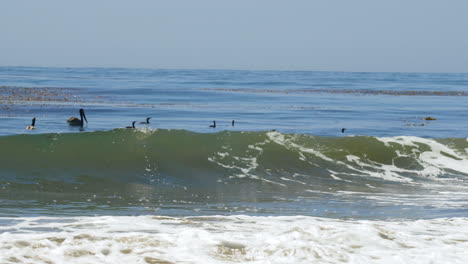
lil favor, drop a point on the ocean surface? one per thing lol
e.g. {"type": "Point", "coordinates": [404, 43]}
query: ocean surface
{"type": "Point", "coordinates": [282, 184]}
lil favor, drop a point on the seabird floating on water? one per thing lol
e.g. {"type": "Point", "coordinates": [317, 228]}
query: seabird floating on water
{"type": "Point", "coordinates": [147, 121]}
{"type": "Point", "coordinates": [132, 126]}
{"type": "Point", "coordinates": [32, 124]}
{"type": "Point", "coordinates": [75, 121]}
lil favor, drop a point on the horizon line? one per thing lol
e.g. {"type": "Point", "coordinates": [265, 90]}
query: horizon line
{"type": "Point", "coordinates": [223, 69]}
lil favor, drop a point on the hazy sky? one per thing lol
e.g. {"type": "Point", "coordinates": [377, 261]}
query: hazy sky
{"type": "Point", "coordinates": [343, 35]}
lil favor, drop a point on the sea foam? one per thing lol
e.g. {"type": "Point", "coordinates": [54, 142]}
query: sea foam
{"type": "Point", "coordinates": [231, 239]}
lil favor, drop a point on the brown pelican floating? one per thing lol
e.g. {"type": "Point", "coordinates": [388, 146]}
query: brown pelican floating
{"type": "Point", "coordinates": [74, 121]}
{"type": "Point", "coordinates": [32, 124]}
{"type": "Point", "coordinates": [214, 124]}
{"type": "Point", "coordinates": [147, 121]}
{"type": "Point", "coordinates": [132, 126]}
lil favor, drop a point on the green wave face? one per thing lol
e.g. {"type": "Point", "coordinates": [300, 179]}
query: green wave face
{"type": "Point", "coordinates": [174, 163]}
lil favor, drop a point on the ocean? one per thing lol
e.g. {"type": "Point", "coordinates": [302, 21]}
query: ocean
{"type": "Point", "coordinates": [301, 167]}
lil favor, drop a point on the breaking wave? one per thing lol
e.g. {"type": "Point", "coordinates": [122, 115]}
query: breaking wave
{"type": "Point", "coordinates": [188, 159]}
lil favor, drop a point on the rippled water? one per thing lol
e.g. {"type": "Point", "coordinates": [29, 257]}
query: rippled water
{"type": "Point", "coordinates": [318, 103]}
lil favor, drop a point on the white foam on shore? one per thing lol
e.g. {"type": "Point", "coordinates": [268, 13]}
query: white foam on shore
{"type": "Point", "coordinates": [231, 239]}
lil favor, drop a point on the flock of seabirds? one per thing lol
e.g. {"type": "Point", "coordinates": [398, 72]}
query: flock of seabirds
{"type": "Point", "coordinates": [75, 121]}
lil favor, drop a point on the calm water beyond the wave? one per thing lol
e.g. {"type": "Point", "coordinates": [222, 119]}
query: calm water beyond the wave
{"type": "Point", "coordinates": [281, 185]}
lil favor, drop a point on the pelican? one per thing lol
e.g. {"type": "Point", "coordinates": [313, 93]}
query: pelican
{"type": "Point", "coordinates": [132, 126]}
{"type": "Point", "coordinates": [74, 121]}
{"type": "Point", "coordinates": [147, 121]}
{"type": "Point", "coordinates": [32, 124]}
{"type": "Point", "coordinates": [214, 124]}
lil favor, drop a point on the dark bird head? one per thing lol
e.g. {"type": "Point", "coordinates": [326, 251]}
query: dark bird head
{"type": "Point", "coordinates": [33, 123]}
{"type": "Point", "coordinates": [343, 130]}
{"type": "Point", "coordinates": [83, 116]}
{"type": "Point", "coordinates": [147, 119]}
{"type": "Point", "coordinates": [233, 122]}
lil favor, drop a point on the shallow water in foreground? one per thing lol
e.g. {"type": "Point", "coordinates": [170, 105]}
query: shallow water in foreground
{"type": "Point", "coordinates": [232, 239]}
{"type": "Point", "coordinates": [283, 185]}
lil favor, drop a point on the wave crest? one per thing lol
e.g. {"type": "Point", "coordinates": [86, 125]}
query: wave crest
{"type": "Point", "coordinates": [179, 157]}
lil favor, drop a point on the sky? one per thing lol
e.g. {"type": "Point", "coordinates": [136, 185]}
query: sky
{"type": "Point", "coordinates": [318, 35]}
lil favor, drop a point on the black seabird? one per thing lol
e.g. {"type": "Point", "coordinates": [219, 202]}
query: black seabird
{"type": "Point", "coordinates": [32, 124]}
{"type": "Point", "coordinates": [132, 126]}
{"type": "Point", "coordinates": [147, 121]}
